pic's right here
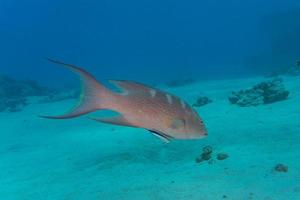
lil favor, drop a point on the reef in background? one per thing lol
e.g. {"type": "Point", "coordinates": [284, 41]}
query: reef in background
{"type": "Point", "coordinates": [14, 93]}
{"type": "Point", "coordinates": [262, 93]}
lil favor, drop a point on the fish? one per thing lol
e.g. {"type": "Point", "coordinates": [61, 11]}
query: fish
{"type": "Point", "coordinates": [140, 106]}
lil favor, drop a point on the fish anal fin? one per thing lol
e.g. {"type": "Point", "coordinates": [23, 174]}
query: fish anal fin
{"type": "Point", "coordinates": [116, 120]}
{"type": "Point", "coordinates": [164, 137]}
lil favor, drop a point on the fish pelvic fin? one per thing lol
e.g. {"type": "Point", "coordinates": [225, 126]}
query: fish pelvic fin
{"type": "Point", "coordinates": [93, 95]}
{"type": "Point", "coordinates": [162, 136]}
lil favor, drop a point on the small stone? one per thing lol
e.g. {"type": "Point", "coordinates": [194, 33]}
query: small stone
{"type": "Point", "coordinates": [207, 150]}
{"type": "Point", "coordinates": [222, 156]}
{"type": "Point", "coordinates": [224, 196]}
{"type": "Point", "coordinates": [202, 101]}
{"type": "Point", "coordinates": [281, 168]}
{"type": "Point", "coordinates": [206, 156]}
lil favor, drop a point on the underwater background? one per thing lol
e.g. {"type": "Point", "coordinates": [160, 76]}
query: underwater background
{"type": "Point", "coordinates": [236, 62]}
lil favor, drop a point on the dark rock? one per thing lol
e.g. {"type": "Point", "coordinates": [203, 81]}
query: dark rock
{"type": "Point", "coordinates": [262, 93]}
{"type": "Point", "coordinates": [207, 150]}
{"type": "Point", "coordinates": [222, 156]}
{"type": "Point", "coordinates": [14, 93]}
{"type": "Point", "coordinates": [281, 168]}
{"type": "Point", "coordinates": [201, 101]}
{"type": "Point", "coordinates": [206, 154]}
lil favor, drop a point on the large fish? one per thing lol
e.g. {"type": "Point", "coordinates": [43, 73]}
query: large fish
{"type": "Point", "coordinates": [163, 114]}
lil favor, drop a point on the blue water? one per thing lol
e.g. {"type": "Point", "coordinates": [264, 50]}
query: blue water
{"type": "Point", "coordinates": [224, 45]}
{"type": "Point", "coordinates": [141, 39]}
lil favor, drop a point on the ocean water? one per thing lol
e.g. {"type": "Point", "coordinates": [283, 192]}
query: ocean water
{"type": "Point", "coordinates": [237, 63]}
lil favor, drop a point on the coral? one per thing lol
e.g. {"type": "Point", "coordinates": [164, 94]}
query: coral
{"type": "Point", "coordinates": [281, 168]}
{"type": "Point", "coordinates": [14, 93]}
{"type": "Point", "coordinates": [201, 101]}
{"type": "Point", "coordinates": [262, 93]}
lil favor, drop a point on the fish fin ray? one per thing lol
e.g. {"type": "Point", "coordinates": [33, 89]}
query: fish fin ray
{"type": "Point", "coordinates": [91, 97]}
{"type": "Point", "coordinates": [164, 137]}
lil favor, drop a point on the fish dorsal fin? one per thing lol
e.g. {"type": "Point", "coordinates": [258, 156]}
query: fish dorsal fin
{"type": "Point", "coordinates": [164, 137]}
{"type": "Point", "coordinates": [116, 120]}
{"type": "Point", "coordinates": [130, 86]}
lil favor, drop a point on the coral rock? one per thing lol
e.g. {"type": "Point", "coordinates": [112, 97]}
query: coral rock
{"type": "Point", "coordinates": [201, 101]}
{"type": "Point", "coordinates": [262, 93]}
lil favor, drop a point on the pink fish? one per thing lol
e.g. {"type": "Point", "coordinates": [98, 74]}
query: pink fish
{"type": "Point", "coordinates": [163, 114]}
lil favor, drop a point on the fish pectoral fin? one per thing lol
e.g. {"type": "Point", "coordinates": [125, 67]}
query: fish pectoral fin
{"type": "Point", "coordinates": [117, 120]}
{"type": "Point", "coordinates": [164, 137]}
{"type": "Point", "coordinates": [177, 123]}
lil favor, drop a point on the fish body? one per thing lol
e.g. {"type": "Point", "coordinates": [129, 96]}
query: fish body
{"type": "Point", "coordinates": [141, 106]}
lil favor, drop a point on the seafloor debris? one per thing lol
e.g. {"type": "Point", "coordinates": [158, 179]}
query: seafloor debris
{"type": "Point", "coordinates": [222, 156]}
{"type": "Point", "coordinates": [281, 168]}
{"type": "Point", "coordinates": [180, 83]}
{"type": "Point", "coordinates": [262, 93]}
{"type": "Point", "coordinates": [207, 155]}
{"type": "Point", "coordinates": [201, 101]}
{"type": "Point", "coordinates": [14, 93]}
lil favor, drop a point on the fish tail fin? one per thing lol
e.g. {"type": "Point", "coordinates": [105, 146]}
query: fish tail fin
{"type": "Point", "coordinates": [93, 95]}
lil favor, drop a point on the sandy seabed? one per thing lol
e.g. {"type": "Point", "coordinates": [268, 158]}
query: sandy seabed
{"type": "Point", "coordinates": [82, 159]}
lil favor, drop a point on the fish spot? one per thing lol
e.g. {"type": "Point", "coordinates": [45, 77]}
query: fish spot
{"type": "Point", "coordinates": [169, 98]}
{"type": "Point", "coordinates": [153, 93]}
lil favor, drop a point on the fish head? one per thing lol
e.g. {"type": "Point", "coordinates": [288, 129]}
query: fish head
{"type": "Point", "coordinates": [195, 127]}
{"type": "Point", "coordinates": [190, 126]}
